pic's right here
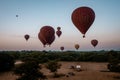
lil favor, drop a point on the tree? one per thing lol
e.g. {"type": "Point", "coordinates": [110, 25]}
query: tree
{"type": "Point", "coordinates": [114, 62]}
{"type": "Point", "coordinates": [29, 71]}
{"type": "Point", "coordinates": [53, 66]}
{"type": "Point", "coordinates": [6, 62]}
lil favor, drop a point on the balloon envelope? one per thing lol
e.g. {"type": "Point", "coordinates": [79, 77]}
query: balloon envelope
{"type": "Point", "coordinates": [77, 46]}
{"type": "Point", "coordinates": [26, 37]}
{"type": "Point", "coordinates": [16, 15]}
{"type": "Point", "coordinates": [82, 18]}
{"type": "Point", "coordinates": [94, 42]}
{"type": "Point", "coordinates": [62, 48]}
{"type": "Point", "coordinates": [51, 40]}
{"type": "Point", "coordinates": [41, 38]}
{"type": "Point", "coordinates": [46, 35]}
{"type": "Point", "coordinates": [58, 28]}
{"type": "Point", "coordinates": [58, 33]}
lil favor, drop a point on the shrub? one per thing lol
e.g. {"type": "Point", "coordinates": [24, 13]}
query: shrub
{"type": "Point", "coordinates": [29, 71]}
{"type": "Point", "coordinates": [114, 62]}
{"type": "Point", "coordinates": [6, 62]}
{"type": "Point", "coordinates": [53, 66]}
{"type": "Point", "coordinates": [114, 68]}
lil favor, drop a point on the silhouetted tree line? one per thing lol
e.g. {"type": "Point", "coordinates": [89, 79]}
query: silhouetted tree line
{"type": "Point", "coordinates": [45, 56]}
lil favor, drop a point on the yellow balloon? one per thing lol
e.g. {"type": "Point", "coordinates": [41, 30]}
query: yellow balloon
{"type": "Point", "coordinates": [77, 46]}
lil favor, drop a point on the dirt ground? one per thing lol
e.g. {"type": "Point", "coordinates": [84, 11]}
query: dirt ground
{"type": "Point", "coordinates": [90, 71]}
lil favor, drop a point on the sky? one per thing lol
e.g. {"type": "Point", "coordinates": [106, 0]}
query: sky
{"type": "Point", "coordinates": [34, 14]}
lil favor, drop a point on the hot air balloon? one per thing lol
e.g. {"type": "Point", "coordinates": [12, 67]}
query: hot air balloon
{"type": "Point", "coordinates": [46, 35]}
{"type": "Point", "coordinates": [58, 33]}
{"type": "Point", "coordinates": [26, 37]}
{"type": "Point", "coordinates": [58, 28]}
{"type": "Point", "coordinates": [51, 40]}
{"type": "Point", "coordinates": [62, 48]}
{"type": "Point", "coordinates": [77, 46]}
{"type": "Point", "coordinates": [94, 42]}
{"type": "Point", "coordinates": [82, 18]}
{"type": "Point", "coordinates": [16, 15]}
{"type": "Point", "coordinates": [41, 38]}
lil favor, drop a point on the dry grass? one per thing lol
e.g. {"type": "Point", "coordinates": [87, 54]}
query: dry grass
{"type": "Point", "coordinates": [91, 71]}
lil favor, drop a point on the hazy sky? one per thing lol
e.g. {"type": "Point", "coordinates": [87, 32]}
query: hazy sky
{"type": "Point", "coordinates": [33, 14]}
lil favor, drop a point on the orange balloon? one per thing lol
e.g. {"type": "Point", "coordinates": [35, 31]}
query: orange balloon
{"type": "Point", "coordinates": [77, 46]}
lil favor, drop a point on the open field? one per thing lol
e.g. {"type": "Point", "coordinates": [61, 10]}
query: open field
{"type": "Point", "coordinates": [90, 71]}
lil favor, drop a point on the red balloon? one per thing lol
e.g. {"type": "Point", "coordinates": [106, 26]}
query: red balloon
{"type": "Point", "coordinates": [58, 33]}
{"type": "Point", "coordinates": [42, 39]}
{"type": "Point", "coordinates": [94, 42]}
{"type": "Point", "coordinates": [62, 48]}
{"type": "Point", "coordinates": [58, 28]}
{"type": "Point", "coordinates": [82, 18]}
{"type": "Point", "coordinates": [51, 40]}
{"type": "Point", "coordinates": [46, 35]}
{"type": "Point", "coordinates": [26, 37]}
